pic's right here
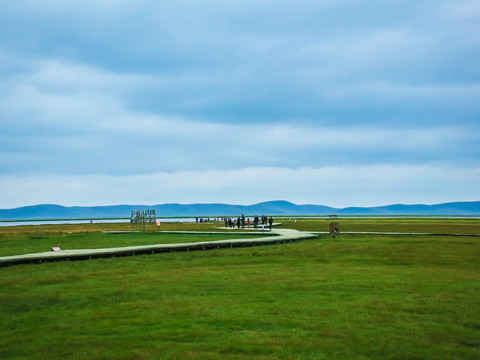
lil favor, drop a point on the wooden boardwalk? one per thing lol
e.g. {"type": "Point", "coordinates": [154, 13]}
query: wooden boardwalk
{"type": "Point", "coordinates": [276, 236]}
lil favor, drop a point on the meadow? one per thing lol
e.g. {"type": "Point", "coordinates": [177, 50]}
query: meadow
{"type": "Point", "coordinates": [352, 297]}
{"type": "Point", "coordinates": [31, 239]}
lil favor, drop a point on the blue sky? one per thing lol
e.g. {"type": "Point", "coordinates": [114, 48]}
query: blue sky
{"type": "Point", "coordinates": [341, 103]}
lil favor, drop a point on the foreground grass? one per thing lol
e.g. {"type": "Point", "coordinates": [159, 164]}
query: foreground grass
{"type": "Point", "coordinates": [385, 297]}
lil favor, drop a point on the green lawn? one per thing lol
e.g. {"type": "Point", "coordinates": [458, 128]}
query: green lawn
{"type": "Point", "coordinates": [353, 297]}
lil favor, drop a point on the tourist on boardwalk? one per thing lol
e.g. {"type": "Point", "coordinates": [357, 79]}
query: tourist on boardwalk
{"type": "Point", "coordinates": [238, 222]}
{"type": "Point", "coordinates": [243, 221]}
{"type": "Point", "coordinates": [270, 221]}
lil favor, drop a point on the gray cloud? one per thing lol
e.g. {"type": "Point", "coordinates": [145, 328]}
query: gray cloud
{"type": "Point", "coordinates": [98, 90]}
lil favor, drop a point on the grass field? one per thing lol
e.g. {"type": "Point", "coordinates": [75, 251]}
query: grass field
{"type": "Point", "coordinates": [352, 297]}
{"type": "Point", "coordinates": [33, 243]}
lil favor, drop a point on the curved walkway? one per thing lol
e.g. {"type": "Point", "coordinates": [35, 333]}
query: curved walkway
{"type": "Point", "coordinates": [281, 236]}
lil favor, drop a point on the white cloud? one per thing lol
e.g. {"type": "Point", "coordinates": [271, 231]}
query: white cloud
{"type": "Point", "coordinates": [401, 92]}
{"type": "Point", "coordinates": [463, 10]}
{"type": "Point", "coordinates": [334, 186]}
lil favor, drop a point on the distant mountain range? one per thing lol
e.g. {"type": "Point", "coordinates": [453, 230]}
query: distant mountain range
{"type": "Point", "coordinates": [268, 208]}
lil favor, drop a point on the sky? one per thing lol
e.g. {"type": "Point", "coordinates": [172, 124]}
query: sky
{"type": "Point", "coordinates": [332, 102]}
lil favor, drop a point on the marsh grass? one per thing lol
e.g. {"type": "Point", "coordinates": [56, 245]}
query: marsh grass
{"type": "Point", "coordinates": [353, 297]}
{"type": "Point", "coordinates": [456, 225]}
{"type": "Point", "coordinates": [26, 244]}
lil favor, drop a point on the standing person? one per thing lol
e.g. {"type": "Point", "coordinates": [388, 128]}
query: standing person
{"type": "Point", "coordinates": [270, 221]}
{"type": "Point", "coordinates": [238, 222]}
{"type": "Point", "coordinates": [248, 222]}
{"type": "Point", "coordinates": [243, 221]}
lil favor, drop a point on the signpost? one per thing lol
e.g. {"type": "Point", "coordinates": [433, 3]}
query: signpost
{"type": "Point", "coordinates": [334, 226]}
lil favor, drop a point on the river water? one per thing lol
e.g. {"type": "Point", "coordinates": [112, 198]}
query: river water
{"type": "Point", "coordinates": [85, 221]}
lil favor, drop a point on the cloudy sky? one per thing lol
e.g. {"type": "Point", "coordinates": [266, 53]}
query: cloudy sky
{"type": "Point", "coordinates": [333, 102]}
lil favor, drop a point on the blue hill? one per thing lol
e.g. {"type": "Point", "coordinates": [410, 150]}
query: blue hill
{"type": "Point", "coordinates": [49, 211]}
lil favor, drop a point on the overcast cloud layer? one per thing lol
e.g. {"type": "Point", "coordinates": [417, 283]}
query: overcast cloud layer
{"type": "Point", "coordinates": [341, 103]}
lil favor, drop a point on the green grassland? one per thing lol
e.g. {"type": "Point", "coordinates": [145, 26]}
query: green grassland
{"type": "Point", "coordinates": [20, 245]}
{"type": "Point", "coordinates": [395, 224]}
{"type": "Point", "coordinates": [352, 297]}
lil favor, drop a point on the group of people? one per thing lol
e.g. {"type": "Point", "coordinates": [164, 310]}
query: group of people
{"type": "Point", "coordinates": [232, 222]}
{"type": "Point", "coordinates": [240, 221]}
